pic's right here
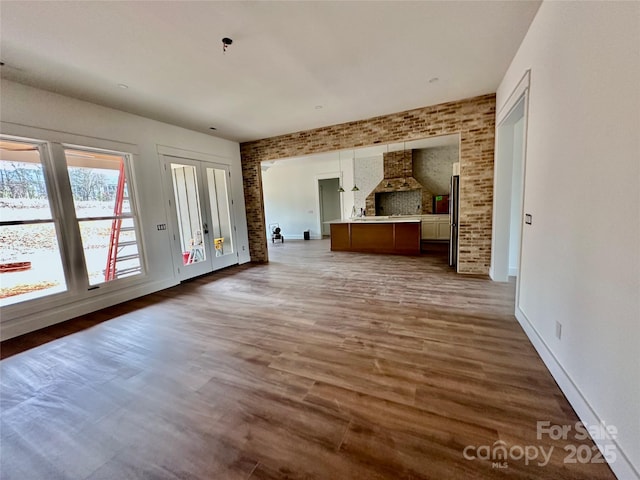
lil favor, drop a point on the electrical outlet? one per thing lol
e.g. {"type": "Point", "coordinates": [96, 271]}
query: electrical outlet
{"type": "Point", "coordinates": [243, 248]}
{"type": "Point", "coordinates": [161, 226]}
{"type": "Point", "coordinates": [558, 330]}
{"type": "Point", "coordinates": [528, 219]}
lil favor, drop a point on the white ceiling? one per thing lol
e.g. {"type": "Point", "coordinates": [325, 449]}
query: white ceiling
{"type": "Point", "coordinates": [355, 59]}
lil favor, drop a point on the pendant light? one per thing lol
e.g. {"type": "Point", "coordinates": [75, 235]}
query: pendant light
{"type": "Point", "coordinates": [355, 187]}
{"type": "Point", "coordinates": [340, 189]}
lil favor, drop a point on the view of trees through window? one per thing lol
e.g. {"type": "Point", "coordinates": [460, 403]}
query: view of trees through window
{"type": "Point", "coordinates": [101, 199]}
{"type": "Point", "coordinates": [31, 238]}
{"type": "Point", "coordinates": [30, 262]}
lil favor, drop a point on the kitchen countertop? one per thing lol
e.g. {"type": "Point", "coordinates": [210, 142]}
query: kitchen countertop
{"type": "Point", "coordinates": [379, 219]}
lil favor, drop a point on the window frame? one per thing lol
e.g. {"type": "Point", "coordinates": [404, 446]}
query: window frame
{"type": "Point", "coordinates": [133, 215]}
{"type": "Point", "coordinates": [44, 152]}
{"type": "Point", "coordinates": [67, 226]}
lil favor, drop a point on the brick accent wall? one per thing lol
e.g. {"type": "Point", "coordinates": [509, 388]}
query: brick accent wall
{"type": "Point", "coordinates": [398, 177]}
{"type": "Point", "coordinates": [397, 164]}
{"type": "Point", "coordinates": [473, 118]}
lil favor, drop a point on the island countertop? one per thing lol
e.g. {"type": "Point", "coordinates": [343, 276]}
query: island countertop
{"type": "Point", "coordinates": [378, 219]}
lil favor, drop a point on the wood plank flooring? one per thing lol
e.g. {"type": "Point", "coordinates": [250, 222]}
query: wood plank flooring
{"type": "Point", "coordinates": [318, 365]}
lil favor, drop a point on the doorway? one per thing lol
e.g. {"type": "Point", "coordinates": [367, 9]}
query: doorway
{"type": "Point", "coordinates": [330, 208]}
{"type": "Point", "coordinates": [203, 237]}
{"type": "Point", "coordinates": [509, 191]}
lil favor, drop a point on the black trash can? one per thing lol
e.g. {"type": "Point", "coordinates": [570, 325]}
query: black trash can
{"type": "Point", "coordinates": [306, 234]}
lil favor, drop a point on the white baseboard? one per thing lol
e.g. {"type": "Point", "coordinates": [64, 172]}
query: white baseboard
{"type": "Point", "coordinates": [622, 467]}
{"type": "Point", "coordinates": [61, 313]}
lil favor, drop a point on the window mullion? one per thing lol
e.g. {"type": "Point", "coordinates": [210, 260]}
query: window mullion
{"type": "Point", "coordinates": [67, 225]}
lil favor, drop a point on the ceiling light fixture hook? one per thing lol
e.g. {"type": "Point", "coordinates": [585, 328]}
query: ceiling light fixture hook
{"type": "Point", "coordinates": [226, 41]}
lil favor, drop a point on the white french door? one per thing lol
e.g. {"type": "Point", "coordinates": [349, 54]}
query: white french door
{"type": "Point", "coordinates": [203, 237]}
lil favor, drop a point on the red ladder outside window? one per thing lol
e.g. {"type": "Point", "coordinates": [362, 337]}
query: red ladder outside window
{"type": "Point", "coordinates": [116, 246]}
{"type": "Point", "coordinates": [116, 225]}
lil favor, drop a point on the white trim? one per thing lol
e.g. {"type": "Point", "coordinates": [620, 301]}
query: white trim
{"type": "Point", "coordinates": [61, 313]}
{"type": "Point", "coordinates": [514, 97]}
{"type": "Point", "coordinates": [622, 466]}
{"type": "Point", "coordinates": [166, 150]}
{"type": "Point", "coordinates": [499, 256]}
{"type": "Point", "coordinates": [56, 136]}
{"type": "Point", "coordinates": [513, 271]}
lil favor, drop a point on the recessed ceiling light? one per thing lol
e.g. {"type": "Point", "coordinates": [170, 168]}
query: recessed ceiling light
{"type": "Point", "coordinates": [123, 86]}
{"type": "Point", "coordinates": [318, 107]}
{"type": "Point", "coordinates": [433, 79]}
{"type": "Point", "coordinates": [212, 128]}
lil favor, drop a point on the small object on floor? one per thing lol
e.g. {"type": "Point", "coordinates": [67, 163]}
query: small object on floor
{"type": "Point", "coordinates": [277, 235]}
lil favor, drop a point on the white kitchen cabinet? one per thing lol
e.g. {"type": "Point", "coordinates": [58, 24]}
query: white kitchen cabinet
{"type": "Point", "coordinates": [435, 227]}
{"type": "Point", "coordinates": [443, 229]}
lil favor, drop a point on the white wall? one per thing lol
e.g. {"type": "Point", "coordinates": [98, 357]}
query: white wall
{"type": "Point", "coordinates": [33, 113]}
{"type": "Point", "coordinates": [581, 256]}
{"type": "Point", "coordinates": [368, 174]}
{"type": "Point", "coordinates": [291, 193]}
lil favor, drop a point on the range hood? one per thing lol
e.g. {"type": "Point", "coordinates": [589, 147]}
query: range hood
{"type": "Point", "coordinates": [399, 193]}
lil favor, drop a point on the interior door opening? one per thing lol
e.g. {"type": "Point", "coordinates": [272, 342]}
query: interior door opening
{"type": "Point", "coordinates": [330, 208]}
{"type": "Point", "coordinates": [511, 155]}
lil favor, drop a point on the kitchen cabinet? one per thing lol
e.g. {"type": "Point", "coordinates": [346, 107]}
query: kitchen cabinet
{"type": "Point", "coordinates": [435, 227]}
{"type": "Point", "coordinates": [376, 236]}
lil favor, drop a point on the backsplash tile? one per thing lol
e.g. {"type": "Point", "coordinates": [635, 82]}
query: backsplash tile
{"type": "Point", "coordinates": [399, 203]}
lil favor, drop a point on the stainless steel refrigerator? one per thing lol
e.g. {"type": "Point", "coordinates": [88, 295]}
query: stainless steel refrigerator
{"type": "Point", "coordinates": [454, 218]}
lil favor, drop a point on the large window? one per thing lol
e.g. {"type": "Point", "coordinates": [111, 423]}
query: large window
{"type": "Point", "coordinates": [30, 261]}
{"type": "Point", "coordinates": [68, 222]}
{"type": "Point", "coordinates": [103, 210]}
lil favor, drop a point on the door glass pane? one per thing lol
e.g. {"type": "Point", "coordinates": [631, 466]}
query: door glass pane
{"type": "Point", "coordinates": [185, 189]}
{"type": "Point", "coordinates": [220, 211]}
{"type": "Point", "coordinates": [104, 212]}
{"type": "Point", "coordinates": [30, 261]}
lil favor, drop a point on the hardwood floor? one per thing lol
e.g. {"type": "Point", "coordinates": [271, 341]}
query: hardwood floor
{"type": "Point", "coordinates": [318, 365]}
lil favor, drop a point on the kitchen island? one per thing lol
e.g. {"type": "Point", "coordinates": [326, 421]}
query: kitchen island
{"type": "Point", "coordinates": [377, 235]}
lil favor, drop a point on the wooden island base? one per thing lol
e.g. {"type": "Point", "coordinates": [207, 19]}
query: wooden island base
{"type": "Point", "coordinates": [399, 237]}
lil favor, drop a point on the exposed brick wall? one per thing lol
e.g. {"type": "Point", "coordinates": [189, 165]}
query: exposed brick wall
{"type": "Point", "coordinates": [397, 164]}
{"type": "Point", "coordinates": [398, 177]}
{"type": "Point", "coordinates": [472, 118]}
{"type": "Point", "coordinates": [406, 184]}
